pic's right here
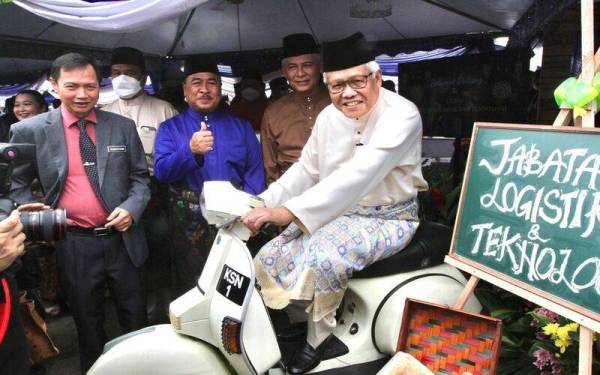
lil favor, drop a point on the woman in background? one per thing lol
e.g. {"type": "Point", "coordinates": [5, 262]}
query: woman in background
{"type": "Point", "coordinates": [29, 103]}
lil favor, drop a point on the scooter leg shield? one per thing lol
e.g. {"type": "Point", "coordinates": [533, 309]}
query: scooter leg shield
{"type": "Point", "coordinates": [159, 350]}
{"type": "Point", "coordinates": [441, 285]}
{"type": "Point", "coordinates": [371, 314]}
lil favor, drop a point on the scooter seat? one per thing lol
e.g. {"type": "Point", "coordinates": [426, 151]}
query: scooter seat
{"type": "Point", "coordinates": [427, 248]}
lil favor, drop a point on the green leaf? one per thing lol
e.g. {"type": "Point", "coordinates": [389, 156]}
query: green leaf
{"type": "Point", "coordinates": [515, 361]}
{"type": "Point", "coordinates": [521, 366]}
{"type": "Point", "coordinates": [502, 312]}
{"type": "Point", "coordinates": [511, 352]}
{"type": "Point", "coordinates": [544, 320]}
{"type": "Point", "coordinates": [520, 326]}
{"type": "Point", "coordinates": [510, 339]}
{"type": "Point", "coordinates": [488, 299]}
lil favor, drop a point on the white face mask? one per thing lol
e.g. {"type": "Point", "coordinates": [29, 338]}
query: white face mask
{"type": "Point", "coordinates": [250, 94]}
{"type": "Point", "coordinates": [126, 87]}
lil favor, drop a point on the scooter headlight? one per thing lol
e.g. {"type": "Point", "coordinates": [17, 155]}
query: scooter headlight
{"type": "Point", "coordinates": [230, 335]}
{"type": "Point", "coordinates": [175, 321]}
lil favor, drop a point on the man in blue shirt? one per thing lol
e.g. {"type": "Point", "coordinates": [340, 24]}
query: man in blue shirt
{"type": "Point", "coordinates": [204, 143]}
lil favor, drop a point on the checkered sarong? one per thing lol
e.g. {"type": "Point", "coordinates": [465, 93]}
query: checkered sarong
{"type": "Point", "coordinates": [298, 266]}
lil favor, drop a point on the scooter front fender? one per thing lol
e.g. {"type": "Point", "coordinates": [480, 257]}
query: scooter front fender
{"type": "Point", "coordinates": [159, 350]}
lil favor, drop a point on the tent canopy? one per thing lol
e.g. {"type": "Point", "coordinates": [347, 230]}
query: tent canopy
{"type": "Point", "coordinates": [29, 42]}
{"type": "Point", "coordinates": [234, 25]}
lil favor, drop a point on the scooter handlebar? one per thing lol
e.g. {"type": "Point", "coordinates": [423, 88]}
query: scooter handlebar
{"type": "Point", "coordinates": [269, 229]}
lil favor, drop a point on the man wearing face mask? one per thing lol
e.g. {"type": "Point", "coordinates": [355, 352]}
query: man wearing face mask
{"type": "Point", "coordinates": [128, 71]}
{"type": "Point", "coordinates": [288, 122]}
{"type": "Point", "coordinates": [129, 75]}
{"type": "Point", "coordinates": [253, 101]}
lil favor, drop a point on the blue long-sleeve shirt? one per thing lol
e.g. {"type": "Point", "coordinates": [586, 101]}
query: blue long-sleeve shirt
{"type": "Point", "coordinates": [236, 154]}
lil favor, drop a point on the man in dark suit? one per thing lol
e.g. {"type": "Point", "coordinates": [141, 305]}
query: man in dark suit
{"type": "Point", "coordinates": [92, 164]}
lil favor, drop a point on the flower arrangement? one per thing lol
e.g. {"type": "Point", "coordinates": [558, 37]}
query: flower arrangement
{"type": "Point", "coordinates": [535, 340]}
{"type": "Point", "coordinates": [557, 343]}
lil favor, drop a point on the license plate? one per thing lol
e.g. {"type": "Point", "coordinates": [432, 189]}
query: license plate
{"type": "Point", "coordinates": [233, 285]}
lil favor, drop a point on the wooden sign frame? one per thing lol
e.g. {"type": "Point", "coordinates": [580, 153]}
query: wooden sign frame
{"type": "Point", "coordinates": [590, 64]}
{"type": "Point", "coordinates": [560, 306]}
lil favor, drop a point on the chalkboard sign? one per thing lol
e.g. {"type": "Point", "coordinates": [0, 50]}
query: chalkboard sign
{"type": "Point", "coordinates": [530, 213]}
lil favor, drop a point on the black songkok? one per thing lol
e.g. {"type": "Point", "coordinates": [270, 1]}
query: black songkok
{"type": "Point", "coordinates": [299, 44]}
{"type": "Point", "coordinates": [346, 53]}
{"type": "Point", "coordinates": [252, 74]}
{"type": "Point", "coordinates": [200, 64]}
{"type": "Point", "coordinates": [129, 56]}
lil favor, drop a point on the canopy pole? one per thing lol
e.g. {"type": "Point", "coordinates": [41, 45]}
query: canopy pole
{"type": "Point", "coordinates": [181, 32]}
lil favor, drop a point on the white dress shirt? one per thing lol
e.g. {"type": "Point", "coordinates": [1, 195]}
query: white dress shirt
{"type": "Point", "coordinates": [148, 113]}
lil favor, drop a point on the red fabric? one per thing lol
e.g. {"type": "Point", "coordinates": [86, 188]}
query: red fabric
{"type": "Point", "coordinates": [5, 308]}
{"type": "Point", "coordinates": [83, 207]}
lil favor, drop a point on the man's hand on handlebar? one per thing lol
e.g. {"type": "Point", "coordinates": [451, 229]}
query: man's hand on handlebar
{"type": "Point", "coordinates": [256, 218]}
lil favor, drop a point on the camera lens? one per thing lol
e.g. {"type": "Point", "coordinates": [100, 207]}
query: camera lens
{"type": "Point", "coordinates": [46, 225]}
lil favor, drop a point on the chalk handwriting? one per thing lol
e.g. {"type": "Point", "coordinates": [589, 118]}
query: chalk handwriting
{"type": "Point", "coordinates": [533, 260]}
{"type": "Point", "coordinates": [558, 188]}
{"type": "Point", "coordinates": [525, 160]}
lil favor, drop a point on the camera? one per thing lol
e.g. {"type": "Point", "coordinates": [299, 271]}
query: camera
{"type": "Point", "coordinates": [46, 225]}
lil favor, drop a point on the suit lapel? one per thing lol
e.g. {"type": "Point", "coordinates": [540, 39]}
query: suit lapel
{"type": "Point", "coordinates": [57, 144]}
{"type": "Point", "coordinates": [103, 132]}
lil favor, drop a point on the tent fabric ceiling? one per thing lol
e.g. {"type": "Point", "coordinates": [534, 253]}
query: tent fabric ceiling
{"type": "Point", "coordinates": [20, 66]}
{"type": "Point", "coordinates": [223, 26]}
{"type": "Point", "coordinates": [108, 15]}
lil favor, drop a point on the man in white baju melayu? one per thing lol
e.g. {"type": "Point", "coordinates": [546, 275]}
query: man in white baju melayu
{"type": "Point", "coordinates": [350, 200]}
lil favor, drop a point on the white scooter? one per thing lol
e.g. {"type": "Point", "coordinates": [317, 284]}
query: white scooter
{"type": "Point", "coordinates": [223, 327]}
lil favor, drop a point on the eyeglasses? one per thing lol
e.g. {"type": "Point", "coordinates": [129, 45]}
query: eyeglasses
{"type": "Point", "coordinates": [356, 83]}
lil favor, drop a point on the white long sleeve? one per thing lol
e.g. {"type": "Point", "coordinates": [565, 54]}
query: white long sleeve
{"type": "Point", "coordinates": [334, 174]}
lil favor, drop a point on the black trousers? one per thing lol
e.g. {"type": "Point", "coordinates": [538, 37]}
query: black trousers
{"type": "Point", "coordinates": [87, 266]}
{"type": "Point", "coordinates": [14, 351]}
{"type": "Point", "coordinates": [157, 273]}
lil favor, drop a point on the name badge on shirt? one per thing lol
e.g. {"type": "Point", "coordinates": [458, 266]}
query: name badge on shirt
{"type": "Point", "coordinates": [117, 148]}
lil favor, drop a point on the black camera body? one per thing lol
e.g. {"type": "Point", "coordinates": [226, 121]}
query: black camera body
{"type": "Point", "coordinates": [11, 153]}
{"type": "Point", "coordinates": [46, 225]}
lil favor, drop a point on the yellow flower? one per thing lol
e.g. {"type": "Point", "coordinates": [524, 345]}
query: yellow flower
{"type": "Point", "coordinates": [562, 344]}
{"type": "Point", "coordinates": [550, 329]}
{"type": "Point", "coordinates": [573, 327]}
{"type": "Point", "coordinates": [560, 335]}
{"type": "Point", "coordinates": [563, 333]}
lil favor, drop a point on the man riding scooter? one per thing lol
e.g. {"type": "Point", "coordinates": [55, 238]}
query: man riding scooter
{"type": "Point", "coordinates": [349, 201]}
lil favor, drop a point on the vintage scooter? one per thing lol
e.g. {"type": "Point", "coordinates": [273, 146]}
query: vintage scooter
{"type": "Point", "coordinates": [223, 327]}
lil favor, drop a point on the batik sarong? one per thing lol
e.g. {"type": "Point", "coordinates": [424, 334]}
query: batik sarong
{"type": "Point", "coordinates": [299, 266]}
